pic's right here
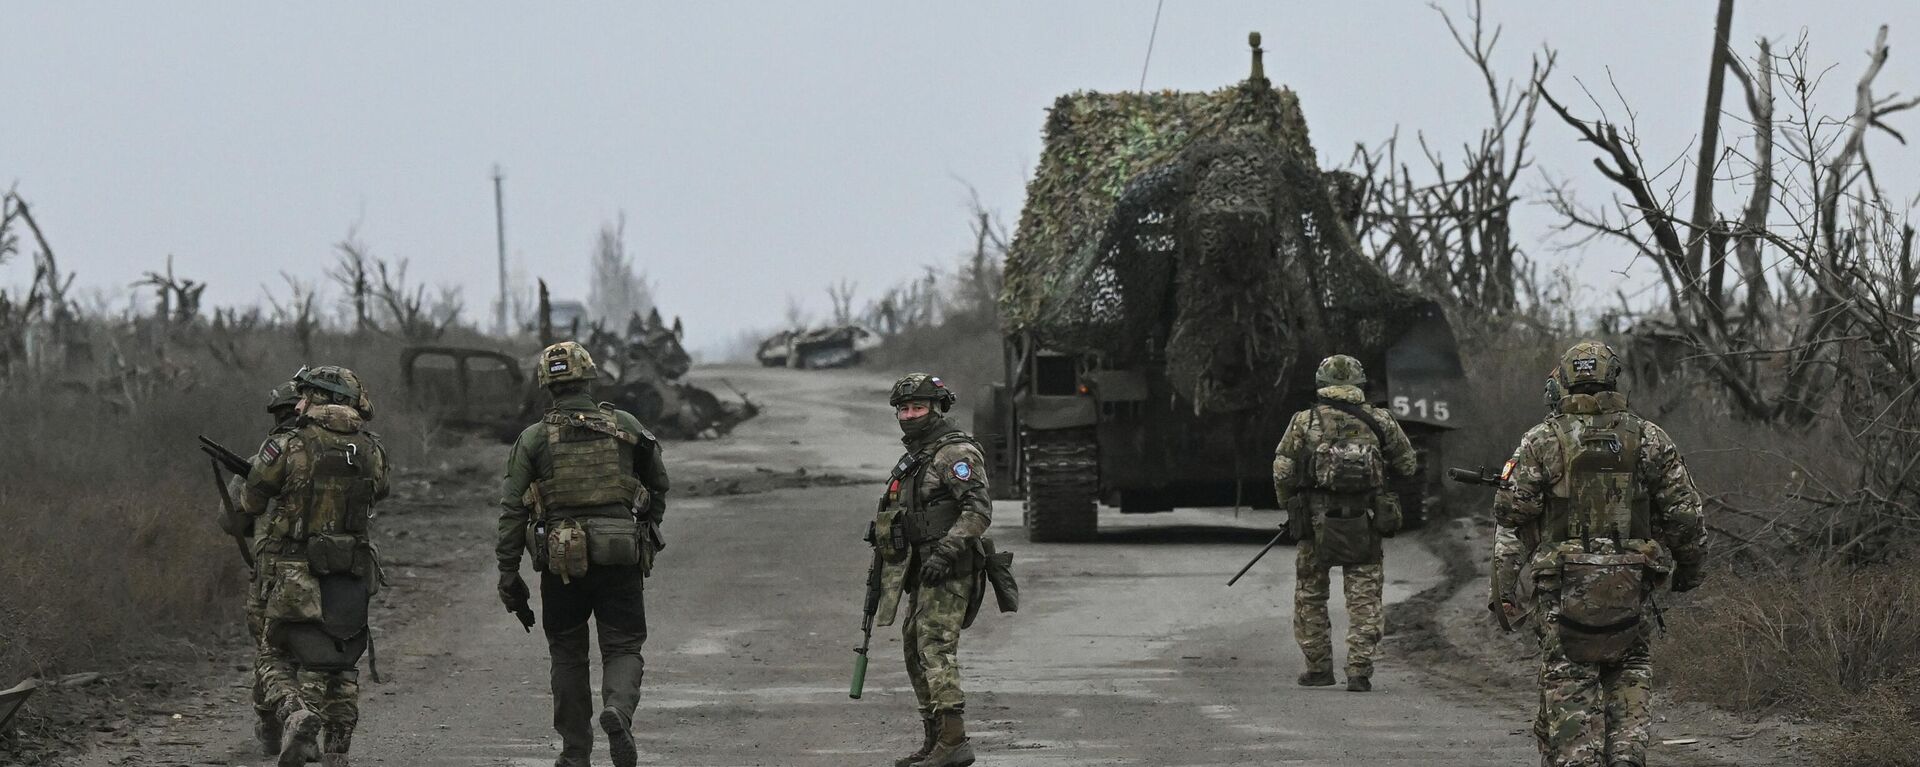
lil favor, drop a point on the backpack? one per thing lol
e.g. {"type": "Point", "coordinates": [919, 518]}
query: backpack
{"type": "Point", "coordinates": [1348, 463]}
{"type": "Point", "coordinates": [1603, 589]}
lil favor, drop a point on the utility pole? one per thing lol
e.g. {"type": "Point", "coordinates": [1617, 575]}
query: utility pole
{"type": "Point", "coordinates": [500, 232]}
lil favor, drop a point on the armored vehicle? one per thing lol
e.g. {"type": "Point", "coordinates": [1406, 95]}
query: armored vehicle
{"type": "Point", "coordinates": [1180, 267]}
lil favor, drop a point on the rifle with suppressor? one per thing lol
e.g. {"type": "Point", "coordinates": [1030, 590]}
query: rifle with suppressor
{"type": "Point", "coordinates": [221, 458]}
{"type": "Point", "coordinates": [1480, 476]}
{"type": "Point", "coordinates": [866, 627]}
{"type": "Point", "coordinates": [1477, 476]}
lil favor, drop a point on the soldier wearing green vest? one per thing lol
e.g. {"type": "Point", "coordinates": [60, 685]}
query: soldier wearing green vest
{"type": "Point", "coordinates": [584, 494]}
{"type": "Point", "coordinates": [1330, 474]}
{"type": "Point", "coordinates": [1605, 511]}
{"type": "Point", "coordinates": [929, 535]}
{"type": "Point", "coordinates": [310, 492]}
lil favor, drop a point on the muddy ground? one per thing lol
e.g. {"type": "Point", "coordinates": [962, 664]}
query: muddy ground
{"type": "Point", "coordinates": [1128, 651]}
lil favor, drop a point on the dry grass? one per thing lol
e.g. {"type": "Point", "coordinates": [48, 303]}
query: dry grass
{"type": "Point", "coordinates": [1838, 643]}
{"type": "Point", "coordinates": [110, 516]}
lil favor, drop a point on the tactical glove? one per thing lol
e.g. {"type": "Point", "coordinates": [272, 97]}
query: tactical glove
{"type": "Point", "coordinates": [1299, 525]}
{"type": "Point", "coordinates": [1687, 576]}
{"type": "Point", "coordinates": [513, 592]}
{"type": "Point", "coordinates": [939, 562]}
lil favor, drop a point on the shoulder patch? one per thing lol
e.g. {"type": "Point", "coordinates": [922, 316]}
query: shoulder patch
{"type": "Point", "coordinates": [269, 452]}
{"type": "Point", "coordinates": [1506, 472]}
{"type": "Point", "coordinates": [963, 471]}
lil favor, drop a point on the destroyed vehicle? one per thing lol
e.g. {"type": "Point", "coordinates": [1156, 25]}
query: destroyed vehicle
{"type": "Point", "coordinates": [832, 347]}
{"type": "Point", "coordinates": [1179, 269]}
{"type": "Point", "coordinates": [836, 346]}
{"type": "Point", "coordinates": [775, 349]}
{"type": "Point", "coordinates": [490, 392]}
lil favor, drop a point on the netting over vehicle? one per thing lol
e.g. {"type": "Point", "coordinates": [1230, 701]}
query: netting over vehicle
{"type": "Point", "coordinates": [1197, 230]}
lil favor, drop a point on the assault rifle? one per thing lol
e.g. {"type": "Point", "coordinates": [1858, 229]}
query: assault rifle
{"type": "Point", "coordinates": [222, 458]}
{"type": "Point", "coordinates": [866, 627]}
{"type": "Point", "coordinates": [1476, 476]}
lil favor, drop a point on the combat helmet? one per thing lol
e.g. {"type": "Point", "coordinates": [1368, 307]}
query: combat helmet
{"type": "Point", "coordinates": [1589, 364]}
{"type": "Point", "coordinates": [283, 397]}
{"type": "Point", "coordinates": [924, 386]}
{"type": "Point", "coordinates": [565, 361]}
{"type": "Point", "coordinates": [333, 385]}
{"type": "Point", "coordinates": [1340, 370]}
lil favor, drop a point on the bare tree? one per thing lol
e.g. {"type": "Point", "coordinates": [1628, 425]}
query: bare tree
{"type": "Point", "coordinates": [177, 299]}
{"type": "Point", "coordinates": [1452, 236]}
{"type": "Point", "coordinates": [1840, 341]}
{"type": "Point", "coordinates": [352, 270]}
{"type": "Point", "coordinates": [841, 295]}
{"type": "Point", "coordinates": [297, 314]}
{"type": "Point", "coordinates": [618, 290]}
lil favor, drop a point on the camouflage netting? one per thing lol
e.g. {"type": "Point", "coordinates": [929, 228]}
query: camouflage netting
{"type": "Point", "coordinates": [1197, 229]}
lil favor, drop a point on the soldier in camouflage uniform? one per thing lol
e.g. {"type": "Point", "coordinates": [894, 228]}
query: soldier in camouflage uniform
{"type": "Point", "coordinates": [311, 490]}
{"type": "Point", "coordinates": [283, 404]}
{"type": "Point", "coordinates": [585, 490]}
{"type": "Point", "coordinates": [1604, 510]}
{"type": "Point", "coordinates": [1509, 554]}
{"type": "Point", "coordinates": [1339, 521]}
{"type": "Point", "coordinates": [930, 538]}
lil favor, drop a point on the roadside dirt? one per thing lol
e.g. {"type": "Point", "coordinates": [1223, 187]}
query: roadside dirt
{"type": "Point", "coordinates": [1128, 651]}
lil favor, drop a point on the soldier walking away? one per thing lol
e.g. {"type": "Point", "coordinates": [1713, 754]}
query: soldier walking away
{"type": "Point", "coordinates": [929, 541]}
{"type": "Point", "coordinates": [283, 404]}
{"type": "Point", "coordinates": [585, 492]}
{"type": "Point", "coordinates": [311, 491]}
{"type": "Point", "coordinates": [1611, 515]}
{"type": "Point", "coordinates": [1330, 474]}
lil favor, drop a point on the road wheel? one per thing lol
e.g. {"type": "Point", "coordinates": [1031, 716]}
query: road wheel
{"type": "Point", "coordinates": [1062, 470]}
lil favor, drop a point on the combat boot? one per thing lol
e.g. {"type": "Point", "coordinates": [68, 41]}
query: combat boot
{"type": "Point", "coordinates": [620, 745]}
{"type": "Point", "coordinates": [267, 731]}
{"type": "Point", "coordinates": [931, 727]}
{"type": "Point", "coordinates": [1316, 679]}
{"type": "Point", "coordinates": [950, 747]}
{"type": "Point", "coordinates": [1359, 683]}
{"type": "Point", "coordinates": [297, 737]}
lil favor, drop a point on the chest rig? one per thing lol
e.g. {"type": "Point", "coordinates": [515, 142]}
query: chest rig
{"type": "Point", "coordinates": [906, 517]}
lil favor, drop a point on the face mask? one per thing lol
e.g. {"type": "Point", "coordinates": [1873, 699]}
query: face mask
{"type": "Point", "coordinates": [918, 426]}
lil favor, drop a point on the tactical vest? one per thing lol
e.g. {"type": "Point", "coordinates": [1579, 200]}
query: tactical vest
{"type": "Point", "coordinates": [1598, 494]}
{"type": "Point", "coordinates": [592, 462]}
{"type": "Point", "coordinates": [332, 486]}
{"type": "Point", "coordinates": [915, 522]}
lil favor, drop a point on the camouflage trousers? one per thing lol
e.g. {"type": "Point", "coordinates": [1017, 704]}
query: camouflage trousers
{"type": "Point", "coordinates": [931, 637]}
{"type": "Point", "coordinates": [334, 695]}
{"type": "Point", "coordinates": [1592, 714]}
{"type": "Point", "coordinates": [279, 683]}
{"type": "Point", "coordinates": [257, 628]}
{"type": "Point", "coordinates": [1312, 628]}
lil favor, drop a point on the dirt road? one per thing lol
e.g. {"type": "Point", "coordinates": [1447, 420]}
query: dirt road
{"type": "Point", "coordinates": [1130, 651]}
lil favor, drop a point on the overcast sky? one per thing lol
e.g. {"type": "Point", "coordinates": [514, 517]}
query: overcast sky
{"type": "Point", "coordinates": [758, 150]}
